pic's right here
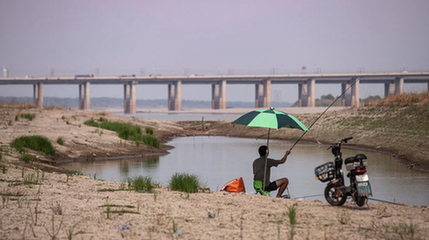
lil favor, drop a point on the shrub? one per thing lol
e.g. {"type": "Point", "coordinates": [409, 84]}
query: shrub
{"type": "Point", "coordinates": [28, 116]}
{"type": "Point", "coordinates": [141, 184]}
{"type": "Point", "coordinates": [184, 182]}
{"type": "Point", "coordinates": [37, 143]}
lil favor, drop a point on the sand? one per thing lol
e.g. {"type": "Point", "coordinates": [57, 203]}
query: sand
{"type": "Point", "coordinates": [62, 206]}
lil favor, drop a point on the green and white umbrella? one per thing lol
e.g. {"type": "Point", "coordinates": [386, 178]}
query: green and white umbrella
{"type": "Point", "coordinates": [270, 118]}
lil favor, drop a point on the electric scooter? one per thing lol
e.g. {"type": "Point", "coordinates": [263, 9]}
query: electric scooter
{"type": "Point", "coordinates": [336, 192]}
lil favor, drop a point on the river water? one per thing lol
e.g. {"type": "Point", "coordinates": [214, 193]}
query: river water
{"type": "Point", "coordinates": [216, 160]}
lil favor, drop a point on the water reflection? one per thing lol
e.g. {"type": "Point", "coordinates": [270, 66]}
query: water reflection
{"type": "Point", "coordinates": [216, 160]}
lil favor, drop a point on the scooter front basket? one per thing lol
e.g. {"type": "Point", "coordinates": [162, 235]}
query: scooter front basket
{"type": "Point", "coordinates": [325, 172]}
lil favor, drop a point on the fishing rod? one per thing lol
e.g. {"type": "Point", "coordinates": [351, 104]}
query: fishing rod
{"type": "Point", "coordinates": [330, 105]}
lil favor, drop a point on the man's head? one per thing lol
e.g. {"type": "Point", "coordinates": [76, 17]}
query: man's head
{"type": "Point", "coordinates": [263, 151]}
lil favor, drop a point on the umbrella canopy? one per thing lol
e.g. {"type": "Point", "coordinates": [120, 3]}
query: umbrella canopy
{"type": "Point", "coordinates": [270, 118]}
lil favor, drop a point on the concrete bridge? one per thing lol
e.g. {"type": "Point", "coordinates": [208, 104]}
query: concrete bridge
{"type": "Point", "coordinates": [393, 84]}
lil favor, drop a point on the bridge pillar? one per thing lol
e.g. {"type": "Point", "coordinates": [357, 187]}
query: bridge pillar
{"type": "Point", "coordinates": [38, 94]}
{"type": "Point", "coordinates": [389, 89]}
{"type": "Point", "coordinates": [306, 93]}
{"type": "Point", "coordinates": [263, 94]}
{"type": "Point", "coordinates": [219, 95]}
{"type": "Point", "coordinates": [311, 84]}
{"type": "Point", "coordinates": [355, 93]}
{"type": "Point", "coordinates": [175, 96]}
{"type": "Point", "coordinates": [399, 85]}
{"type": "Point", "coordinates": [84, 96]}
{"type": "Point", "coordinates": [130, 98]}
{"type": "Point", "coordinates": [302, 94]}
{"type": "Point", "coordinates": [346, 99]}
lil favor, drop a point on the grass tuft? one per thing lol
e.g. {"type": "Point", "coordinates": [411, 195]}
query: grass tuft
{"type": "Point", "coordinates": [184, 182]}
{"type": "Point", "coordinates": [149, 130]}
{"type": "Point", "coordinates": [141, 184]}
{"type": "Point", "coordinates": [60, 140]}
{"type": "Point", "coordinates": [28, 116]}
{"type": "Point", "coordinates": [37, 143]}
{"type": "Point", "coordinates": [125, 131]}
{"type": "Point", "coordinates": [27, 158]}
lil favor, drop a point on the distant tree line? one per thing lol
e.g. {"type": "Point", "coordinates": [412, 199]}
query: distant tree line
{"type": "Point", "coordinates": [326, 100]}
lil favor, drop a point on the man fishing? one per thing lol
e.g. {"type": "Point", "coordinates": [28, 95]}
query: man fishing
{"type": "Point", "coordinates": [258, 171]}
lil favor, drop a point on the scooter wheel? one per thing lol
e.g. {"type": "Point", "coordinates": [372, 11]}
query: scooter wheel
{"type": "Point", "coordinates": [360, 201]}
{"type": "Point", "coordinates": [334, 196]}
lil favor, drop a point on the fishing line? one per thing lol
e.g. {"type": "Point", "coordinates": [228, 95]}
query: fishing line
{"type": "Point", "coordinates": [384, 201]}
{"type": "Point", "coordinates": [303, 197]}
{"type": "Point", "coordinates": [330, 105]}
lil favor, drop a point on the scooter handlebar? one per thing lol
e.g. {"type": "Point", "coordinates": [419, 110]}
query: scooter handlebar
{"type": "Point", "coordinates": [346, 139]}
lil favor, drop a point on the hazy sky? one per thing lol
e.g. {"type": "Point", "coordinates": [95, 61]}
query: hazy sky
{"type": "Point", "coordinates": [104, 37]}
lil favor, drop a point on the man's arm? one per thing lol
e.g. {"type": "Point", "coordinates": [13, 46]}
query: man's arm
{"type": "Point", "coordinates": [284, 158]}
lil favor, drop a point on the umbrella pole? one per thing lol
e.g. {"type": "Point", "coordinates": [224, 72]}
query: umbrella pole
{"type": "Point", "coordinates": [265, 168]}
{"type": "Point", "coordinates": [268, 140]}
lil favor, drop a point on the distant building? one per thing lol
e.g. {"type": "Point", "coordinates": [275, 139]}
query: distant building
{"type": "Point", "coordinates": [5, 73]}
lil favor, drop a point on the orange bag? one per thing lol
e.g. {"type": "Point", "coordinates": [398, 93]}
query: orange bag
{"type": "Point", "coordinates": [235, 185]}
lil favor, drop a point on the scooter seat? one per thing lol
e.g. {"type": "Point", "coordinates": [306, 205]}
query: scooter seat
{"type": "Point", "coordinates": [351, 160]}
{"type": "Point", "coordinates": [360, 156]}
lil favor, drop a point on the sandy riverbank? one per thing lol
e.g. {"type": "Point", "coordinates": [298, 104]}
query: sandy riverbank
{"type": "Point", "coordinates": [61, 205]}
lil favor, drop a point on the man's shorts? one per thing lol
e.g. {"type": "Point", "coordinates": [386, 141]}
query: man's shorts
{"type": "Point", "coordinates": [271, 187]}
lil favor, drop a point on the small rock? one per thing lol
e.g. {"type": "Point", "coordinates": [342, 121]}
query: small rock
{"type": "Point", "coordinates": [177, 234]}
{"type": "Point", "coordinates": [211, 214]}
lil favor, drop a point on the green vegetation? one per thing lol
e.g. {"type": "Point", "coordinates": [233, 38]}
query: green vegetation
{"type": "Point", "coordinates": [184, 182]}
{"type": "Point", "coordinates": [28, 116]}
{"type": "Point", "coordinates": [125, 131]}
{"type": "Point", "coordinates": [292, 219]}
{"type": "Point", "coordinates": [37, 143]}
{"type": "Point", "coordinates": [141, 184]}
{"type": "Point", "coordinates": [292, 214]}
{"type": "Point", "coordinates": [151, 141]}
{"type": "Point", "coordinates": [149, 130]}
{"type": "Point", "coordinates": [27, 158]}
{"type": "Point", "coordinates": [60, 140]}
{"type": "Point", "coordinates": [119, 209]}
